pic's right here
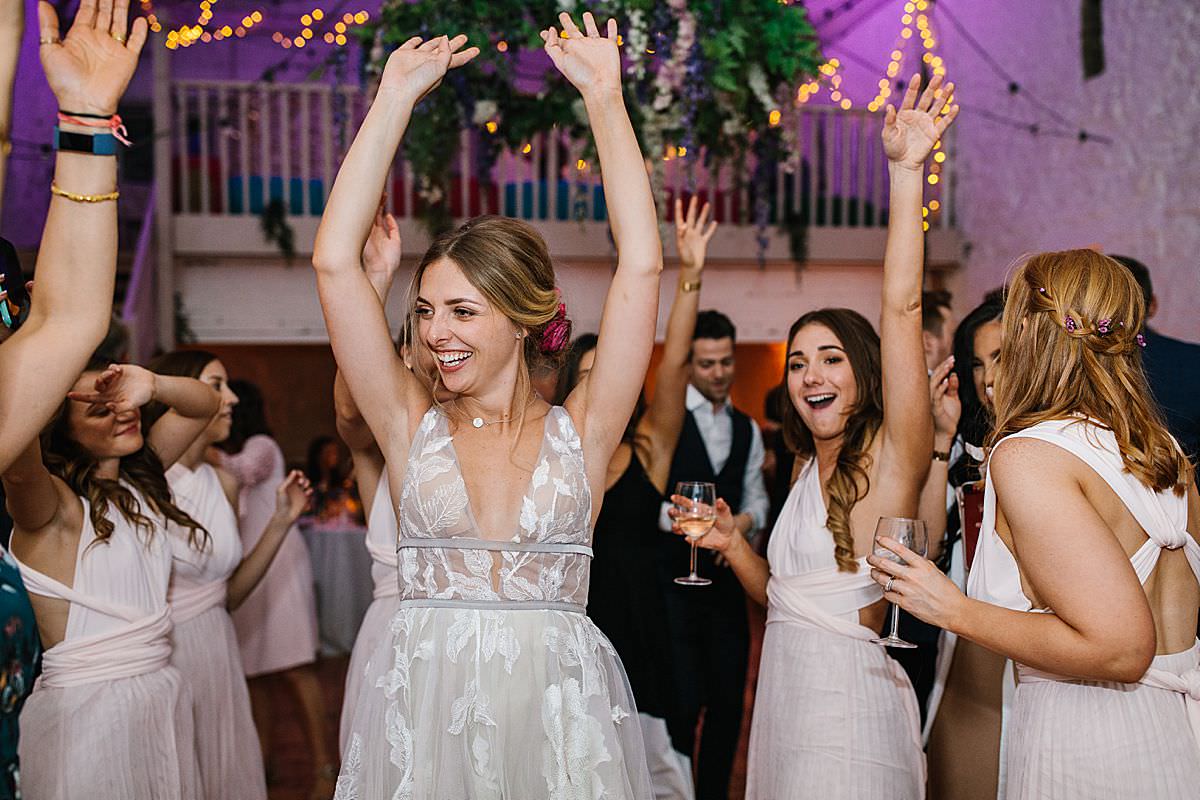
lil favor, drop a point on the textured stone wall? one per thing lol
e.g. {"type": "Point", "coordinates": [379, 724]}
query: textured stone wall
{"type": "Point", "coordinates": [1139, 195]}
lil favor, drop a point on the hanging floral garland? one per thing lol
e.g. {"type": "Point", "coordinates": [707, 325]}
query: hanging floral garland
{"type": "Point", "coordinates": [701, 75]}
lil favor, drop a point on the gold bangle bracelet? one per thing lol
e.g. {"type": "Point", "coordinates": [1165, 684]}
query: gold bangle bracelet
{"type": "Point", "coordinates": [83, 198]}
{"type": "Point", "coordinates": [689, 286]}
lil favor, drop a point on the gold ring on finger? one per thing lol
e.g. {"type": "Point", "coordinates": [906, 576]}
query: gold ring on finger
{"type": "Point", "coordinates": [120, 37]}
{"type": "Point", "coordinates": [48, 40]}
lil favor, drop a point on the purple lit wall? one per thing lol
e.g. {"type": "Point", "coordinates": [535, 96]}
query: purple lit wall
{"type": "Point", "coordinates": [1017, 192]}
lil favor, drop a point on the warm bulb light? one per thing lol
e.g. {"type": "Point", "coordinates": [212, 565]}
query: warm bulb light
{"type": "Point", "coordinates": [933, 179]}
{"type": "Point", "coordinates": [340, 39]}
{"type": "Point", "coordinates": [774, 117]}
{"type": "Point", "coordinates": [306, 20]}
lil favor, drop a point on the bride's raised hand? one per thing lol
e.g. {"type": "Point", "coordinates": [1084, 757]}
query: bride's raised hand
{"type": "Point", "coordinates": [589, 59]}
{"type": "Point", "coordinates": [910, 133]}
{"type": "Point", "coordinates": [417, 67]}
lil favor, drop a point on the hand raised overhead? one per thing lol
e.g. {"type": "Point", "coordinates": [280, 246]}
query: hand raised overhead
{"type": "Point", "coordinates": [910, 133]}
{"type": "Point", "coordinates": [693, 231]}
{"type": "Point", "coordinates": [591, 60]}
{"type": "Point", "coordinates": [416, 68]}
{"type": "Point", "coordinates": [90, 69]}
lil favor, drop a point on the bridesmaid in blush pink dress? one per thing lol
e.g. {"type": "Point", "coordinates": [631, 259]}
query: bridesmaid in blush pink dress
{"type": "Point", "coordinates": [109, 717]}
{"type": "Point", "coordinates": [277, 624]}
{"type": "Point", "coordinates": [208, 581]}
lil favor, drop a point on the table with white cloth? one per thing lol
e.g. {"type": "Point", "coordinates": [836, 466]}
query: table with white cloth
{"type": "Point", "coordinates": [342, 579]}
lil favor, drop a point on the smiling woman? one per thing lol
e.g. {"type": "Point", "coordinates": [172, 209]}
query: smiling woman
{"type": "Point", "coordinates": [860, 424]}
{"type": "Point", "coordinates": [494, 515]}
{"type": "Point", "coordinates": [92, 508]}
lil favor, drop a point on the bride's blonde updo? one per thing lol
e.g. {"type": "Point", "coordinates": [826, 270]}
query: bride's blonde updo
{"type": "Point", "coordinates": [508, 262]}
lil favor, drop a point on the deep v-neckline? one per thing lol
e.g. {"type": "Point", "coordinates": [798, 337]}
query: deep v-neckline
{"type": "Point", "coordinates": [526, 495]}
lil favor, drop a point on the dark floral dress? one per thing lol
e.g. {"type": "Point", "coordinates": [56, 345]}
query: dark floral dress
{"type": "Point", "coordinates": [20, 657]}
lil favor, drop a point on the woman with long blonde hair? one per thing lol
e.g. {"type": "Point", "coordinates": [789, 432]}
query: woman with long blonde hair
{"type": "Point", "coordinates": [491, 681]}
{"type": "Point", "coordinates": [1087, 572]}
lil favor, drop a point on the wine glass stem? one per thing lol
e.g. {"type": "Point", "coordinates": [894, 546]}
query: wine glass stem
{"type": "Point", "coordinates": [895, 621]}
{"type": "Point", "coordinates": [693, 558]}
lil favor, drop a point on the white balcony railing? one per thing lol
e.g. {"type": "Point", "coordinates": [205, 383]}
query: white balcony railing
{"type": "Point", "coordinates": [236, 146]}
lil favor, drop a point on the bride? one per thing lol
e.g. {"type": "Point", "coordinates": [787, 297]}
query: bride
{"type": "Point", "coordinates": [492, 682]}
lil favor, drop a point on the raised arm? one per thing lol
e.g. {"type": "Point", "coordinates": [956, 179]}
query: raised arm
{"type": "Point", "coordinates": [88, 72]}
{"type": "Point", "coordinates": [380, 260]}
{"type": "Point", "coordinates": [665, 413]}
{"type": "Point", "coordinates": [908, 137]}
{"type": "Point", "coordinates": [191, 405]}
{"type": "Point", "coordinates": [943, 395]}
{"type": "Point", "coordinates": [291, 498]}
{"type": "Point", "coordinates": [601, 407]}
{"type": "Point", "coordinates": [387, 393]}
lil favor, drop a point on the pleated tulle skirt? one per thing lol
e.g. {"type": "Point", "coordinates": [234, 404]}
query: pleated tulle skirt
{"type": "Point", "coordinates": [129, 739]}
{"type": "Point", "coordinates": [205, 651]}
{"type": "Point", "coordinates": [1103, 741]}
{"type": "Point", "coordinates": [373, 628]}
{"type": "Point", "coordinates": [492, 705]}
{"type": "Point", "coordinates": [832, 721]}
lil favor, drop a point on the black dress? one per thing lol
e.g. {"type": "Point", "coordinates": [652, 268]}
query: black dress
{"type": "Point", "coordinates": [625, 597]}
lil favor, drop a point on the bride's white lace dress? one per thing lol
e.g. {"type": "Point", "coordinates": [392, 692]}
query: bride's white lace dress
{"type": "Point", "coordinates": [493, 683]}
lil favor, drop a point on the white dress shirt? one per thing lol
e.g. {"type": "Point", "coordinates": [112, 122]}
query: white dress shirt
{"type": "Point", "coordinates": [716, 429]}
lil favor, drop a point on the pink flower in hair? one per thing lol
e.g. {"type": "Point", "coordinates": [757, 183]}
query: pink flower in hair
{"type": "Point", "coordinates": [557, 332]}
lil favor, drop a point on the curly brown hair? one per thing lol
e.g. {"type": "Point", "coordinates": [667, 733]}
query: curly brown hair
{"type": "Point", "coordinates": [143, 470]}
{"type": "Point", "coordinates": [850, 481]}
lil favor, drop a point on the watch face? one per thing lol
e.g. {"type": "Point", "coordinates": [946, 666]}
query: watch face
{"type": "Point", "coordinates": [14, 299]}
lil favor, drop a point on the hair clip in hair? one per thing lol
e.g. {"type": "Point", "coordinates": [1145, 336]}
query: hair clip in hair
{"type": "Point", "coordinates": [1103, 327]}
{"type": "Point", "coordinates": [1070, 324]}
{"type": "Point", "coordinates": [1141, 340]}
{"type": "Point", "coordinates": [1041, 290]}
{"type": "Point", "coordinates": [557, 332]}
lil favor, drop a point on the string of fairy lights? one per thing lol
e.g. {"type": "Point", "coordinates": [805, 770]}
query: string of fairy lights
{"type": "Point", "coordinates": [313, 26]}
{"type": "Point", "coordinates": [915, 21]}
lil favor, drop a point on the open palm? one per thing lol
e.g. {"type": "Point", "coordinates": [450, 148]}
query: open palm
{"type": "Point", "coordinates": [417, 67]}
{"type": "Point", "coordinates": [90, 69]}
{"type": "Point", "coordinates": [589, 60]}
{"type": "Point", "coordinates": [910, 133]}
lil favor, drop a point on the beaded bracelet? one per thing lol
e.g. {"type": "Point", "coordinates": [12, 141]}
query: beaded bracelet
{"type": "Point", "coordinates": [83, 198]}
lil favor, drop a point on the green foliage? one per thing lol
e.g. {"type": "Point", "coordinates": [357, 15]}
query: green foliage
{"type": "Point", "coordinates": [748, 57]}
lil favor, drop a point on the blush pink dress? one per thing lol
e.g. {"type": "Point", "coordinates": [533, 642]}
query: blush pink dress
{"type": "Point", "coordinates": [110, 717]}
{"type": "Point", "coordinates": [1070, 738]}
{"type": "Point", "coordinates": [382, 536]}
{"type": "Point", "coordinates": [205, 648]}
{"type": "Point", "coordinates": [277, 624]}
{"type": "Point", "coordinates": [835, 717]}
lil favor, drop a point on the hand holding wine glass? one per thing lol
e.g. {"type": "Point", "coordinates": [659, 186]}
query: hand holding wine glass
{"type": "Point", "coordinates": [911, 534]}
{"type": "Point", "coordinates": [914, 583]}
{"type": "Point", "coordinates": [694, 515]}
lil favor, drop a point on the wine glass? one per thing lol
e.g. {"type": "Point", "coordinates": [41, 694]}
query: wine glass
{"type": "Point", "coordinates": [697, 515]}
{"type": "Point", "coordinates": [911, 534]}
